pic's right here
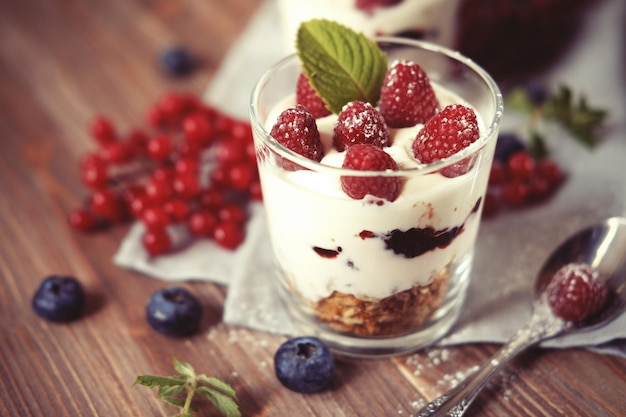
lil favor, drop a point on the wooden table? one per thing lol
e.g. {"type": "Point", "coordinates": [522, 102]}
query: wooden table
{"type": "Point", "coordinates": [61, 63]}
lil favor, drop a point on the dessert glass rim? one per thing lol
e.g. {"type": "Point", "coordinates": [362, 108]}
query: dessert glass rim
{"type": "Point", "coordinates": [493, 125]}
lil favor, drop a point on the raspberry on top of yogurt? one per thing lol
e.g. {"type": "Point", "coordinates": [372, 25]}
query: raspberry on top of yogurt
{"type": "Point", "coordinates": [372, 103]}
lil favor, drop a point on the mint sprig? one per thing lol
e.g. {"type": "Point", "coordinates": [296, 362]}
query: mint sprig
{"type": "Point", "coordinates": [341, 64]}
{"type": "Point", "coordinates": [179, 390]}
{"type": "Point", "coordinates": [574, 114]}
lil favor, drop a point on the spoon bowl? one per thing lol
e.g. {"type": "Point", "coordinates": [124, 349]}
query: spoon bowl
{"type": "Point", "coordinates": [603, 248]}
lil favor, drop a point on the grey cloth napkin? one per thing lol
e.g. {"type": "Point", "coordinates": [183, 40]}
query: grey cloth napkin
{"type": "Point", "coordinates": [510, 247]}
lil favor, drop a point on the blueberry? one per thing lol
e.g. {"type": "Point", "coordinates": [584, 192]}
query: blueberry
{"type": "Point", "coordinates": [304, 364]}
{"type": "Point", "coordinates": [177, 61]}
{"type": "Point", "coordinates": [537, 92]}
{"type": "Point", "coordinates": [507, 144]}
{"type": "Point", "coordinates": [59, 298]}
{"type": "Point", "coordinates": [174, 311]}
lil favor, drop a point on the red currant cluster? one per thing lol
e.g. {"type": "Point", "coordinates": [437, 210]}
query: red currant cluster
{"type": "Point", "coordinates": [520, 181]}
{"type": "Point", "coordinates": [192, 166]}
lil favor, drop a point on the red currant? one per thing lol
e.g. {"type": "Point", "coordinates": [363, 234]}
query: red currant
{"type": "Point", "coordinates": [187, 186]}
{"type": "Point", "coordinates": [514, 193]}
{"type": "Point", "coordinates": [102, 130]}
{"type": "Point", "coordinates": [95, 175]}
{"type": "Point", "coordinates": [109, 205]}
{"type": "Point", "coordinates": [157, 242]}
{"type": "Point", "coordinates": [202, 223]}
{"type": "Point", "coordinates": [160, 147]}
{"type": "Point", "coordinates": [155, 218]}
{"type": "Point", "coordinates": [229, 234]}
{"type": "Point", "coordinates": [197, 128]}
{"type": "Point", "coordinates": [84, 220]}
{"type": "Point", "coordinates": [521, 165]}
{"type": "Point", "coordinates": [177, 209]}
{"type": "Point", "coordinates": [241, 175]}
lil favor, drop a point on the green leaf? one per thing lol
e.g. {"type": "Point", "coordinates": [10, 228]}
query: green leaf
{"type": "Point", "coordinates": [219, 384]}
{"type": "Point", "coordinates": [183, 415]}
{"type": "Point", "coordinates": [171, 390]}
{"type": "Point", "coordinates": [184, 368]}
{"type": "Point", "coordinates": [518, 99]}
{"type": "Point", "coordinates": [577, 117]}
{"type": "Point", "coordinates": [342, 65]}
{"type": "Point", "coordinates": [178, 402]}
{"type": "Point", "coordinates": [158, 381]}
{"type": "Point", "coordinates": [224, 403]}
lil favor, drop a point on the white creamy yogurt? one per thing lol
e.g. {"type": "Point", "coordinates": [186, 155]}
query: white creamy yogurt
{"type": "Point", "coordinates": [325, 241]}
{"type": "Point", "coordinates": [435, 19]}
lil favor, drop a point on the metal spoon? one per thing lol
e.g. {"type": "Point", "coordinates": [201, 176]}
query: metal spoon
{"type": "Point", "coordinates": [603, 247]}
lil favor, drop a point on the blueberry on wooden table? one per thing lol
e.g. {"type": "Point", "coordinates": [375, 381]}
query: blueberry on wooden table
{"type": "Point", "coordinates": [304, 364]}
{"type": "Point", "coordinates": [174, 312]}
{"type": "Point", "coordinates": [177, 61]}
{"type": "Point", "coordinates": [59, 299]}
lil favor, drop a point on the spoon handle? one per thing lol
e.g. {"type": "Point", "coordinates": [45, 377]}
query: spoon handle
{"type": "Point", "coordinates": [457, 400]}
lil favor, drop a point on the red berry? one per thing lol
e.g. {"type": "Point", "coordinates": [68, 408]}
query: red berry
{"type": "Point", "coordinates": [365, 157]}
{"type": "Point", "coordinates": [197, 128]}
{"type": "Point", "coordinates": [160, 147]}
{"type": "Point", "coordinates": [157, 242]}
{"type": "Point", "coordinates": [521, 165]}
{"type": "Point", "coordinates": [211, 198]}
{"type": "Point", "coordinates": [407, 97]}
{"type": "Point", "coordinates": [360, 122]}
{"type": "Point", "coordinates": [159, 190]}
{"type": "Point", "coordinates": [202, 223]}
{"type": "Point", "coordinates": [296, 130]}
{"type": "Point", "coordinates": [187, 165]}
{"type": "Point", "coordinates": [241, 175]}
{"type": "Point", "coordinates": [229, 234]}
{"type": "Point", "coordinates": [155, 218]}
{"type": "Point", "coordinates": [187, 186]}
{"type": "Point", "coordinates": [137, 141]}
{"type": "Point", "coordinates": [84, 220]}
{"type": "Point", "coordinates": [515, 193]}
{"type": "Point", "coordinates": [446, 133]}
{"type": "Point", "coordinates": [102, 130]}
{"type": "Point", "coordinates": [229, 151]}
{"type": "Point", "coordinates": [549, 171]}
{"type": "Point", "coordinates": [232, 212]}
{"type": "Point", "coordinates": [177, 209]}
{"type": "Point", "coordinates": [109, 205]}
{"type": "Point", "coordinates": [95, 175]}
{"type": "Point", "coordinates": [576, 292]}
{"type": "Point", "coordinates": [370, 5]}
{"type": "Point", "coordinates": [138, 204]}
{"type": "Point", "coordinates": [116, 152]}
{"type": "Point", "coordinates": [308, 97]}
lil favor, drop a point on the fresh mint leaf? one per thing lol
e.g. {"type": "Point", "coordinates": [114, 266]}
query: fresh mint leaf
{"type": "Point", "coordinates": [184, 368]}
{"type": "Point", "coordinates": [158, 381]}
{"type": "Point", "coordinates": [219, 384]}
{"type": "Point", "coordinates": [223, 402]}
{"type": "Point", "coordinates": [576, 116]}
{"type": "Point", "coordinates": [179, 390]}
{"type": "Point", "coordinates": [341, 64]}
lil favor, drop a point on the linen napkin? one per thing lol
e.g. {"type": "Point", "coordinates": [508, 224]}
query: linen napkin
{"type": "Point", "coordinates": [510, 247]}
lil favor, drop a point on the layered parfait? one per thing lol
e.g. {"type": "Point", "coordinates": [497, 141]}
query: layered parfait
{"type": "Point", "coordinates": [373, 199]}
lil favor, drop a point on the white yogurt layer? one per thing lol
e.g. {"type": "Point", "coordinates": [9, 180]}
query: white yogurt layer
{"type": "Point", "coordinates": [308, 209]}
{"type": "Point", "coordinates": [434, 18]}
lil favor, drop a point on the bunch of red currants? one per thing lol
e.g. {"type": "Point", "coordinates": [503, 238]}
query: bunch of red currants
{"type": "Point", "coordinates": [192, 167]}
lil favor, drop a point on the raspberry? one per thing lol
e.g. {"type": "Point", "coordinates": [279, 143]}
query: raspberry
{"type": "Point", "coordinates": [446, 133]}
{"type": "Point", "coordinates": [365, 157]}
{"type": "Point", "coordinates": [360, 122]}
{"type": "Point", "coordinates": [296, 130]}
{"type": "Point", "coordinates": [308, 97]}
{"type": "Point", "coordinates": [521, 165]}
{"type": "Point", "coordinates": [370, 5]}
{"type": "Point", "coordinates": [576, 292]}
{"type": "Point", "coordinates": [406, 97]}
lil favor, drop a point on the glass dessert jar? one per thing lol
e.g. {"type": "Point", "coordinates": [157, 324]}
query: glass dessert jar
{"type": "Point", "coordinates": [370, 276]}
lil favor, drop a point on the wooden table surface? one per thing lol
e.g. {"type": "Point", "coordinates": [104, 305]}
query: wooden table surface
{"type": "Point", "coordinates": [61, 63]}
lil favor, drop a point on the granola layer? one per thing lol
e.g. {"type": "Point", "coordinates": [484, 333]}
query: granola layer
{"type": "Point", "coordinates": [397, 314]}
